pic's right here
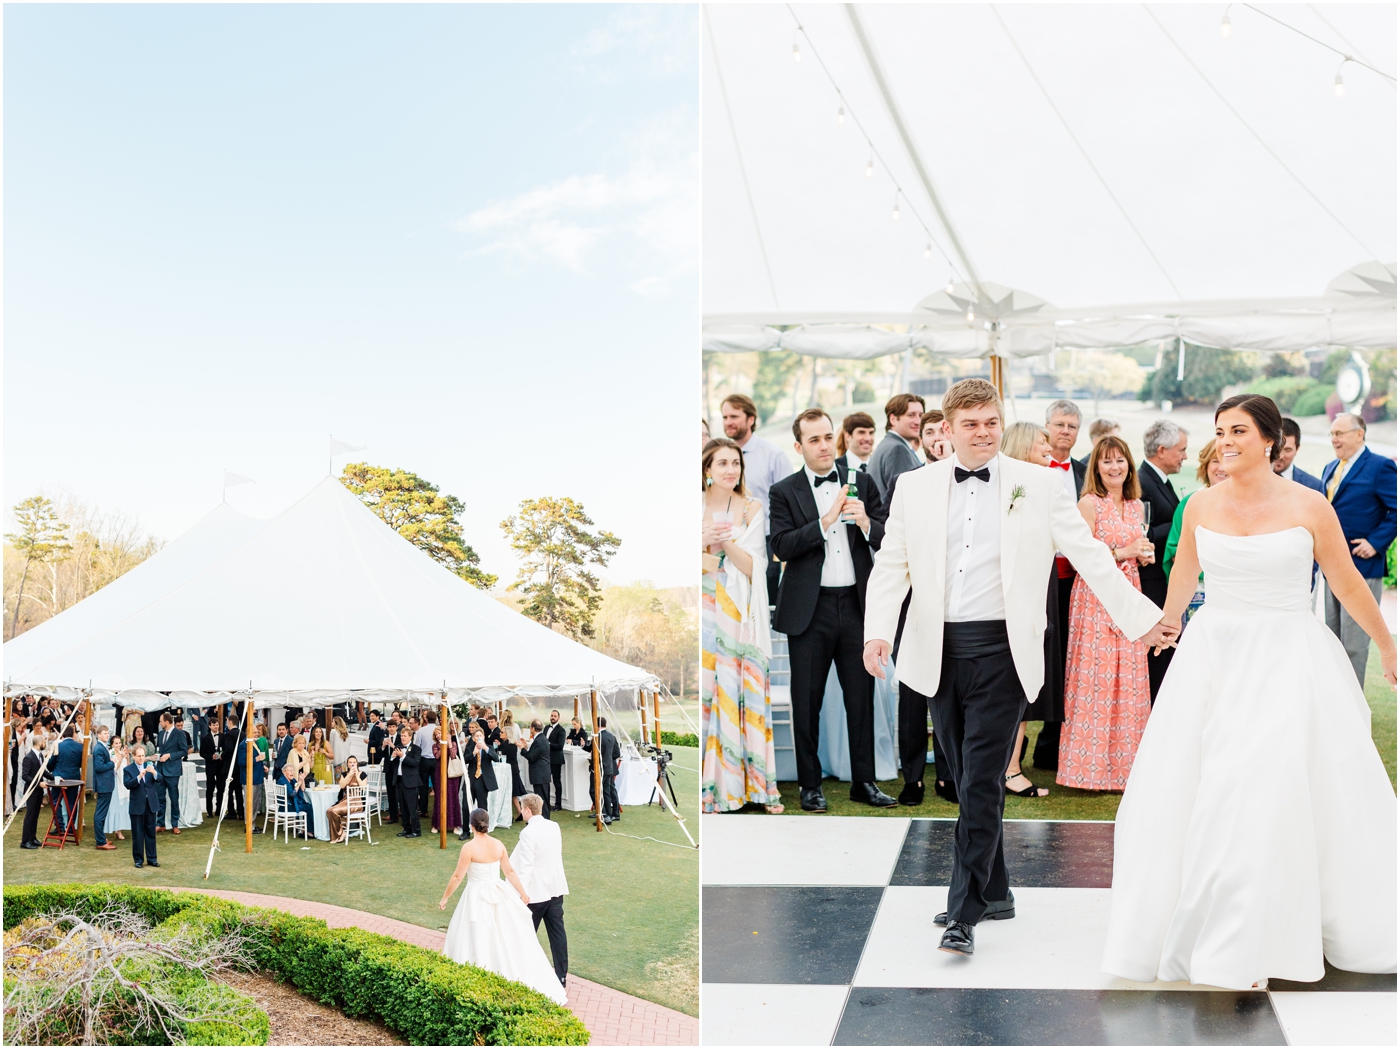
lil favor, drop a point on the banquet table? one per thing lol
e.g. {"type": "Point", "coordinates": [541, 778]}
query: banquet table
{"type": "Point", "coordinates": [498, 801]}
{"type": "Point", "coordinates": [575, 780]}
{"type": "Point", "coordinates": [321, 799]}
{"type": "Point", "coordinates": [637, 781]}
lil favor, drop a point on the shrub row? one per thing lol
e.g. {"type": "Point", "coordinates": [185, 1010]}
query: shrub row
{"type": "Point", "coordinates": [672, 739]}
{"type": "Point", "coordinates": [418, 993]}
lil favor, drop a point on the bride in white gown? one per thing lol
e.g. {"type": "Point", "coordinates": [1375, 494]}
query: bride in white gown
{"type": "Point", "coordinates": [1257, 832]}
{"type": "Point", "coordinates": [491, 927]}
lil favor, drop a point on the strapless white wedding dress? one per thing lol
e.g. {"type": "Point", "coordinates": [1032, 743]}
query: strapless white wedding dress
{"type": "Point", "coordinates": [493, 930]}
{"type": "Point", "coordinates": [1257, 830]}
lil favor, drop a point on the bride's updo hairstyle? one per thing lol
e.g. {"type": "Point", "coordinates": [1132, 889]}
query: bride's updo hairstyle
{"type": "Point", "coordinates": [481, 821]}
{"type": "Point", "coordinates": [1265, 414]}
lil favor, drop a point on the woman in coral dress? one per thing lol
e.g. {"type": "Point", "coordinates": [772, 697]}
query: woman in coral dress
{"type": "Point", "coordinates": [1107, 699]}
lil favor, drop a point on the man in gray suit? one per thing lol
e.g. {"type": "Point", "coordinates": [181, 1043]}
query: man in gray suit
{"type": "Point", "coordinates": [1283, 465]}
{"type": "Point", "coordinates": [896, 453]}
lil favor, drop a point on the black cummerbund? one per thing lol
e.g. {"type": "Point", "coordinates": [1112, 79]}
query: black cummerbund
{"type": "Point", "coordinates": [975, 639]}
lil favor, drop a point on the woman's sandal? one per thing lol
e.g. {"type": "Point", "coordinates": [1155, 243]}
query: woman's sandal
{"type": "Point", "coordinates": [1030, 792]}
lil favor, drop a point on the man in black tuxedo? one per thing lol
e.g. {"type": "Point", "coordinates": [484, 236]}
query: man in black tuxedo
{"type": "Point", "coordinates": [405, 759]}
{"type": "Point", "coordinates": [213, 768]}
{"type": "Point", "coordinates": [536, 751]}
{"type": "Point", "coordinates": [557, 736]}
{"type": "Point", "coordinates": [171, 747]}
{"type": "Point", "coordinates": [33, 768]}
{"type": "Point", "coordinates": [826, 541]}
{"type": "Point", "coordinates": [375, 748]}
{"type": "Point", "coordinates": [1063, 420]}
{"type": "Point", "coordinates": [610, 754]}
{"type": "Point", "coordinates": [146, 796]}
{"type": "Point", "coordinates": [1164, 449]}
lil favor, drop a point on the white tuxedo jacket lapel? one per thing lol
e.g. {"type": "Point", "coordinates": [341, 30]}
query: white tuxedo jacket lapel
{"type": "Point", "coordinates": [1010, 532]}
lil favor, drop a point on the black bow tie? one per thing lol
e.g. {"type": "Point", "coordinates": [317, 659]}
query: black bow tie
{"type": "Point", "coordinates": [960, 475]}
{"type": "Point", "coordinates": [832, 477]}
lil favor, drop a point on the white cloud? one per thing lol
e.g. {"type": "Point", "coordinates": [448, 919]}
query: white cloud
{"type": "Point", "coordinates": [656, 40]}
{"type": "Point", "coordinates": [643, 219]}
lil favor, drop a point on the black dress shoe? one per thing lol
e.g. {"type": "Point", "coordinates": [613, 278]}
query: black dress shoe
{"type": "Point", "coordinates": [402, 834]}
{"type": "Point", "coordinates": [870, 794]}
{"type": "Point", "coordinates": [912, 794]}
{"type": "Point", "coordinates": [997, 911]}
{"type": "Point", "coordinates": [813, 800]}
{"type": "Point", "coordinates": [31, 845]}
{"type": "Point", "coordinates": [139, 866]}
{"type": "Point", "coordinates": [957, 939]}
{"type": "Point", "coordinates": [946, 789]}
{"type": "Point", "coordinates": [415, 834]}
{"type": "Point", "coordinates": [152, 863]}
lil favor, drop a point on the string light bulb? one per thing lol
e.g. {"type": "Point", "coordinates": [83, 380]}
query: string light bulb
{"type": "Point", "coordinates": [870, 168]}
{"type": "Point", "coordinates": [928, 251]}
{"type": "Point", "coordinates": [796, 51]}
{"type": "Point", "coordinates": [840, 114]}
{"type": "Point", "coordinates": [970, 315]}
{"type": "Point", "coordinates": [895, 214]}
{"type": "Point", "coordinates": [1338, 88]}
{"type": "Point", "coordinates": [1225, 26]}
{"type": "Point", "coordinates": [949, 288]}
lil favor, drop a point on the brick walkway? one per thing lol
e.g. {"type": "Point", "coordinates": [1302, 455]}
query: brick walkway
{"type": "Point", "coordinates": [612, 1018]}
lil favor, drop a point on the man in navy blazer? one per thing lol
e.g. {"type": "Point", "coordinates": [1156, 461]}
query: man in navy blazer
{"type": "Point", "coordinates": [141, 781]}
{"type": "Point", "coordinates": [104, 781]}
{"type": "Point", "coordinates": [240, 780]}
{"type": "Point", "coordinates": [1283, 465]}
{"type": "Point", "coordinates": [1360, 485]}
{"type": "Point", "coordinates": [171, 747]}
{"type": "Point", "coordinates": [67, 764]}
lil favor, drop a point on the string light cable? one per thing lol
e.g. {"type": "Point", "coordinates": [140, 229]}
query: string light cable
{"type": "Point", "coordinates": [1084, 152]}
{"type": "Point", "coordinates": [846, 107]}
{"type": "Point", "coordinates": [1257, 137]}
{"type": "Point", "coordinates": [1322, 43]}
{"type": "Point", "coordinates": [1342, 36]}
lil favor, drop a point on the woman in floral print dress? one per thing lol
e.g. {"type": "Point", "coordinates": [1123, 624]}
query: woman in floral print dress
{"type": "Point", "coordinates": [1107, 699]}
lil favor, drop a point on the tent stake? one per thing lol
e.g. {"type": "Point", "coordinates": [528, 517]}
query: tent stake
{"type": "Point", "coordinates": [597, 766]}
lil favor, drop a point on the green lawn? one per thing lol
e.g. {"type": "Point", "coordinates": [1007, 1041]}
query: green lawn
{"type": "Point", "coordinates": [1066, 803]}
{"type": "Point", "coordinates": [632, 913]}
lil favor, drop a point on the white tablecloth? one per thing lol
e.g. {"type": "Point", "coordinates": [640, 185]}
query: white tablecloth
{"type": "Point", "coordinates": [498, 802]}
{"type": "Point", "coordinates": [637, 781]}
{"type": "Point", "coordinates": [191, 802]}
{"type": "Point", "coordinates": [321, 799]}
{"type": "Point", "coordinates": [576, 797]}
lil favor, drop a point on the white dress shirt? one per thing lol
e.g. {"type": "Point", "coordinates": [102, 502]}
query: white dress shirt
{"type": "Point", "coordinates": [855, 462]}
{"type": "Point", "coordinates": [837, 569]}
{"type": "Point", "coordinates": [1287, 472]}
{"type": "Point", "coordinates": [972, 589]}
{"type": "Point", "coordinates": [1158, 471]}
{"type": "Point", "coordinates": [538, 860]}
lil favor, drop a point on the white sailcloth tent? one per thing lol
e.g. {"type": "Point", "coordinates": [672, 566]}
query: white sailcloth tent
{"type": "Point", "coordinates": [324, 604]}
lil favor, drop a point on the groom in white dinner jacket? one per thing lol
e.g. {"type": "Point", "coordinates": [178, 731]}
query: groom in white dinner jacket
{"type": "Point", "coordinates": [974, 537]}
{"type": "Point", "coordinates": [538, 860]}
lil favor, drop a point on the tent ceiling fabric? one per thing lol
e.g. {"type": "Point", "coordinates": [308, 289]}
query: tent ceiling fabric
{"type": "Point", "coordinates": [1249, 247]}
{"type": "Point", "coordinates": [323, 604]}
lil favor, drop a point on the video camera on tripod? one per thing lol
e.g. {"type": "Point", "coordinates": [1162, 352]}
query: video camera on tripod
{"type": "Point", "coordinates": [663, 758]}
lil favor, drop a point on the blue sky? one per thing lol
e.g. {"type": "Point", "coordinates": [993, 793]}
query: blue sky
{"type": "Point", "coordinates": [465, 236]}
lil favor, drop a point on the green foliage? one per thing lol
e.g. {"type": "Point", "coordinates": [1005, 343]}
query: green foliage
{"type": "Point", "coordinates": [1383, 378]}
{"type": "Point", "coordinates": [1279, 365]}
{"type": "Point", "coordinates": [863, 393]}
{"type": "Point", "coordinates": [668, 739]}
{"type": "Point", "coordinates": [1285, 390]}
{"type": "Point", "coordinates": [1102, 374]}
{"type": "Point", "coordinates": [1208, 371]}
{"type": "Point", "coordinates": [1333, 366]}
{"type": "Point", "coordinates": [421, 514]}
{"type": "Point", "coordinates": [1312, 401]}
{"type": "Point", "coordinates": [41, 537]}
{"type": "Point", "coordinates": [416, 992]}
{"type": "Point", "coordinates": [775, 371]}
{"type": "Point", "coordinates": [651, 628]}
{"type": "Point", "coordinates": [1389, 579]}
{"type": "Point", "coordinates": [552, 538]}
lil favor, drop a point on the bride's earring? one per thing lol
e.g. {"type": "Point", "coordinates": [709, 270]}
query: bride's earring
{"type": "Point", "coordinates": [1268, 451]}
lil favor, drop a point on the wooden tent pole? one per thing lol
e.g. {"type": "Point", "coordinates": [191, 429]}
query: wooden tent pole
{"type": "Point", "coordinates": [642, 706]}
{"type": "Point", "coordinates": [248, 782]}
{"type": "Point", "coordinates": [597, 766]}
{"type": "Point", "coordinates": [87, 739]}
{"type": "Point", "coordinates": [575, 706]}
{"type": "Point", "coordinates": [656, 714]}
{"type": "Point", "coordinates": [5, 756]}
{"type": "Point", "coordinates": [442, 778]}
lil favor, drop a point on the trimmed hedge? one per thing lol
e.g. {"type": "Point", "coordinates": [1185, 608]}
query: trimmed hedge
{"type": "Point", "coordinates": [1312, 402]}
{"type": "Point", "coordinates": [417, 993]}
{"type": "Point", "coordinates": [672, 739]}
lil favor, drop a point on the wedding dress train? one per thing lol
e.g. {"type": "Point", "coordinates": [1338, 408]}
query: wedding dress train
{"type": "Point", "coordinates": [493, 930]}
{"type": "Point", "coordinates": [1257, 832]}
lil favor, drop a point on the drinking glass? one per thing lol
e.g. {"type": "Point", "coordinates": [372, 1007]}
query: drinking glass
{"type": "Point", "coordinates": [1147, 527]}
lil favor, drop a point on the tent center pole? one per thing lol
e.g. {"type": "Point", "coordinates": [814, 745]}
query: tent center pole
{"type": "Point", "coordinates": [656, 715]}
{"type": "Point", "coordinates": [442, 778]}
{"type": "Point", "coordinates": [248, 780]}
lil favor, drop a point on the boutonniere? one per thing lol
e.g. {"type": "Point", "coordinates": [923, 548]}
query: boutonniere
{"type": "Point", "coordinates": [1019, 492]}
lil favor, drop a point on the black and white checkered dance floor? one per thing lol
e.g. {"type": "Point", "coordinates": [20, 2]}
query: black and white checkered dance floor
{"type": "Point", "coordinates": [819, 931]}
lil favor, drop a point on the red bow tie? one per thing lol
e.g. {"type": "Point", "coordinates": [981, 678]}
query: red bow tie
{"type": "Point", "coordinates": [1059, 466]}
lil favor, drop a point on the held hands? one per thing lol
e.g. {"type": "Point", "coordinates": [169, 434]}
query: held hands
{"type": "Point", "coordinates": [1163, 635]}
{"type": "Point", "coordinates": [524, 899]}
{"type": "Point", "coordinates": [877, 657]}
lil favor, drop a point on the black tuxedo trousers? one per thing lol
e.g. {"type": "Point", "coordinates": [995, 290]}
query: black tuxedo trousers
{"type": "Point", "coordinates": [835, 634]}
{"type": "Point", "coordinates": [975, 711]}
